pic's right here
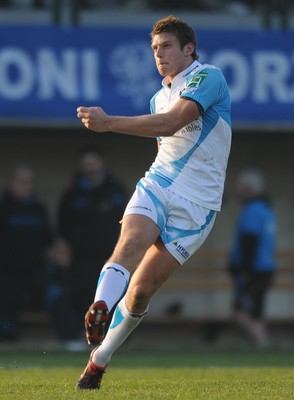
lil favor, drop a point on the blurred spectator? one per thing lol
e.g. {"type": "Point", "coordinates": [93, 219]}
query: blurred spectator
{"type": "Point", "coordinates": [30, 278]}
{"type": "Point", "coordinates": [88, 219]}
{"type": "Point", "coordinates": [252, 260]}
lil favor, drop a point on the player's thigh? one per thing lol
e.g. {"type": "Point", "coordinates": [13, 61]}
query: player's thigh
{"type": "Point", "coordinates": [141, 229]}
{"type": "Point", "coordinates": [155, 269]}
{"type": "Point", "coordinates": [138, 233]}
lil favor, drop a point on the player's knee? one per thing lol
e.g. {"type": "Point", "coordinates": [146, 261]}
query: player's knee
{"type": "Point", "coordinates": [138, 297]}
{"type": "Point", "coordinates": [131, 247]}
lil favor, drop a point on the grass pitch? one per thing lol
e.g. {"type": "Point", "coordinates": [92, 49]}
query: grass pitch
{"type": "Point", "coordinates": [206, 373]}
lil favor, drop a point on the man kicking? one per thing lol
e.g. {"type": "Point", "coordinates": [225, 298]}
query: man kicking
{"type": "Point", "coordinates": [175, 204]}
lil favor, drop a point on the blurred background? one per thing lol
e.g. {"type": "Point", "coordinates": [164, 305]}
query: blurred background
{"type": "Point", "coordinates": [57, 55]}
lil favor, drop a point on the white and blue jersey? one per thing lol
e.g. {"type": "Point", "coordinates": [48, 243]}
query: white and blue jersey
{"type": "Point", "coordinates": [182, 191]}
{"type": "Point", "coordinates": [192, 162]}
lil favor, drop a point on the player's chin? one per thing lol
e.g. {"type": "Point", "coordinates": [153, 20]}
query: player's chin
{"type": "Point", "coordinates": [162, 72]}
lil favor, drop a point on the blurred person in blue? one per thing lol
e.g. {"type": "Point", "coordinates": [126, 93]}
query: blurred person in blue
{"type": "Point", "coordinates": [89, 213]}
{"type": "Point", "coordinates": [252, 261]}
{"type": "Point", "coordinates": [30, 278]}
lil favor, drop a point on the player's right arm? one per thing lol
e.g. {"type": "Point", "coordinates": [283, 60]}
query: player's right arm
{"type": "Point", "coordinates": [164, 124]}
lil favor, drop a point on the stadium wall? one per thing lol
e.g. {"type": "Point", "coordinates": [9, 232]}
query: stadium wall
{"type": "Point", "coordinates": [46, 72]}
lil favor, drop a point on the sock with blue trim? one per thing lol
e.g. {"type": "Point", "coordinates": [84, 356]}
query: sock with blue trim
{"type": "Point", "coordinates": [122, 325]}
{"type": "Point", "coordinates": [112, 284]}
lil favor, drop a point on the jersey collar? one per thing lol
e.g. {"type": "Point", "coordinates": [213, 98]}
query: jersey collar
{"type": "Point", "coordinates": [194, 66]}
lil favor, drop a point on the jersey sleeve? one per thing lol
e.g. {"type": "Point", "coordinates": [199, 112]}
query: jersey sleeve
{"type": "Point", "coordinates": [204, 87]}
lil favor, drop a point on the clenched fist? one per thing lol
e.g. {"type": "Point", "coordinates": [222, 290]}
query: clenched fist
{"type": "Point", "coordinates": [94, 118]}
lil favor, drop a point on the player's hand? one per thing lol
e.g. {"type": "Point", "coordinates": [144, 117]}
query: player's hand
{"type": "Point", "coordinates": [93, 118]}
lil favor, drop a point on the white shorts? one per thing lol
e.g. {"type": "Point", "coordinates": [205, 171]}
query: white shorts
{"type": "Point", "coordinates": [184, 225]}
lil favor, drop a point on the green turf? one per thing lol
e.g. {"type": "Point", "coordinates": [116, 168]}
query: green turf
{"type": "Point", "coordinates": [209, 373]}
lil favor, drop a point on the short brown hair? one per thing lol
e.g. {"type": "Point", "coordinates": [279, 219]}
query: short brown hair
{"type": "Point", "coordinates": [177, 27]}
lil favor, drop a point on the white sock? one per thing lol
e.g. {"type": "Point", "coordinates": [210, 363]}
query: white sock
{"type": "Point", "coordinates": [112, 284]}
{"type": "Point", "coordinates": [122, 324]}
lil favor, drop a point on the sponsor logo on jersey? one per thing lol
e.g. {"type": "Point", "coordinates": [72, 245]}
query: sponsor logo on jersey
{"type": "Point", "coordinates": [197, 79]}
{"type": "Point", "coordinates": [193, 127]}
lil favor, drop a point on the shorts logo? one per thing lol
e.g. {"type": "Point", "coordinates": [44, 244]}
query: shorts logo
{"type": "Point", "coordinates": [141, 207]}
{"type": "Point", "coordinates": [184, 253]}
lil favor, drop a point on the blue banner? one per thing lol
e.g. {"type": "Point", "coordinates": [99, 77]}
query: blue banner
{"type": "Point", "coordinates": [46, 72]}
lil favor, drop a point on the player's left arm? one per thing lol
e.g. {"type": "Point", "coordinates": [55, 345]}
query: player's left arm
{"type": "Point", "coordinates": [164, 124]}
{"type": "Point", "coordinates": [208, 88]}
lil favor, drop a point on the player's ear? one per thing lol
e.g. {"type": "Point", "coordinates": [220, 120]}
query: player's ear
{"type": "Point", "coordinates": [189, 49]}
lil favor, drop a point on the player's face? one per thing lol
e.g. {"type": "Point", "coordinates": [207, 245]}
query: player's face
{"type": "Point", "coordinates": [169, 57]}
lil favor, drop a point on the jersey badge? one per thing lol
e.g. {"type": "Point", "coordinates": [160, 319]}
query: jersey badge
{"type": "Point", "coordinates": [197, 79]}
